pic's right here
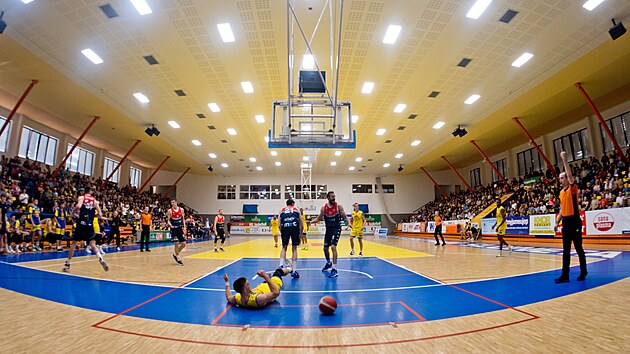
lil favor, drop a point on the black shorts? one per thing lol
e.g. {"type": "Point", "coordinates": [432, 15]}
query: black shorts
{"type": "Point", "coordinates": [84, 233]}
{"type": "Point", "coordinates": [51, 237]}
{"type": "Point", "coordinates": [220, 234]}
{"type": "Point", "coordinates": [331, 238]}
{"type": "Point", "coordinates": [177, 234]}
{"type": "Point", "coordinates": [290, 233]}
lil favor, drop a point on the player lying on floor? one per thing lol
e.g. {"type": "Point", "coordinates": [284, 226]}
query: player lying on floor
{"type": "Point", "coordinates": [263, 294]}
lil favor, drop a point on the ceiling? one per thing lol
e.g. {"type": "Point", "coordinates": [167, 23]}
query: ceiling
{"type": "Point", "coordinates": [570, 44]}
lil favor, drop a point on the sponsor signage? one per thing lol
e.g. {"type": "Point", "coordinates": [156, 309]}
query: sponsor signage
{"type": "Point", "coordinates": [518, 225]}
{"type": "Point", "coordinates": [604, 222]}
{"type": "Point", "coordinates": [486, 226]}
{"type": "Point", "coordinates": [542, 225]}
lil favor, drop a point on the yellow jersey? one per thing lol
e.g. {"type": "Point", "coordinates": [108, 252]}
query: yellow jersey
{"type": "Point", "coordinates": [97, 226]}
{"type": "Point", "coordinates": [260, 289]}
{"type": "Point", "coordinates": [357, 220]}
{"type": "Point", "coordinates": [274, 226]}
{"type": "Point", "coordinates": [304, 223]}
{"type": "Point", "coordinates": [500, 213]}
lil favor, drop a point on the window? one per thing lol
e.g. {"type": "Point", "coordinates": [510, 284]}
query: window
{"type": "Point", "coordinates": [529, 161]}
{"type": "Point", "coordinates": [260, 192]}
{"type": "Point", "coordinates": [4, 139]}
{"type": "Point", "coordinates": [387, 188]}
{"type": "Point", "coordinates": [81, 161]}
{"type": "Point", "coordinates": [575, 144]}
{"type": "Point", "coordinates": [314, 191]}
{"type": "Point", "coordinates": [226, 191]}
{"type": "Point", "coordinates": [619, 127]}
{"type": "Point", "coordinates": [38, 146]}
{"type": "Point", "coordinates": [475, 177]}
{"type": "Point", "coordinates": [135, 176]}
{"type": "Point", "coordinates": [361, 188]}
{"type": "Point", "coordinates": [500, 165]}
{"type": "Point", "coordinates": [108, 167]}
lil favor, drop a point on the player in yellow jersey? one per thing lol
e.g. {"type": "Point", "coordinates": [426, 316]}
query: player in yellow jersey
{"type": "Point", "coordinates": [263, 294]}
{"type": "Point", "coordinates": [358, 220]}
{"type": "Point", "coordinates": [275, 229]}
{"type": "Point", "coordinates": [304, 231]}
{"type": "Point", "coordinates": [501, 226]}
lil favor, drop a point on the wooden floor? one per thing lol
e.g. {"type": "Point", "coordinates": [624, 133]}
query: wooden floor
{"type": "Point", "coordinates": [595, 320]}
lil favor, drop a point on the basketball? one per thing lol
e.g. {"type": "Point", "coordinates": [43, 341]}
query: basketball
{"type": "Point", "coordinates": [327, 305]}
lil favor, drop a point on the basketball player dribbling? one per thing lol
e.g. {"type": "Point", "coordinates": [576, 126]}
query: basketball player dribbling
{"type": "Point", "coordinates": [332, 213]}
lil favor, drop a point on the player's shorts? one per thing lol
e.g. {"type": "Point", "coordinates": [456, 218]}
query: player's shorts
{"type": "Point", "coordinates": [290, 233]}
{"type": "Point", "coordinates": [220, 234]}
{"type": "Point", "coordinates": [501, 229]}
{"type": "Point", "coordinates": [264, 287]}
{"type": "Point", "coordinates": [51, 237]}
{"type": "Point", "coordinates": [177, 234]}
{"type": "Point", "coordinates": [84, 233]}
{"type": "Point", "coordinates": [331, 238]}
{"type": "Point", "coordinates": [304, 230]}
{"type": "Point", "coordinates": [356, 233]}
{"type": "Point", "coordinates": [275, 232]}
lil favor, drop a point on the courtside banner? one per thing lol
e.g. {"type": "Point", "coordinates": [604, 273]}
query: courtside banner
{"type": "Point", "coordinates": [486, 226]}
{"type": "Point", "coordinates": [542, 225]}
{"type": "Point", "coordinates": [582, 217]}
{"type": "Point", "coordinates": [431, 227]}
{"type": "Point", "coordinates": [518, 225]}
{"type": "Point", "coordinates": [626, 221]}
{"type": "Point", "coordinates": [604, 222]}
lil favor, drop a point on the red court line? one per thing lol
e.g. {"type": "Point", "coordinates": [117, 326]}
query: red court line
{"type": "Point", "coordinates": [412, 310]}
{"type": "Point", "coordinates": [214, 322]}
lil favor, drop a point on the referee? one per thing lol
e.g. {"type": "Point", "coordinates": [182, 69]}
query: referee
{"type": "Point", "coordinates": [571, 223]}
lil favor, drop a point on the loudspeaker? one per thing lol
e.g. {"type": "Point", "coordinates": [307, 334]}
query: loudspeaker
{"type": "Point", "coordinates": [617, 30]}
{"type": "Point", "coordinates": [310, 82]}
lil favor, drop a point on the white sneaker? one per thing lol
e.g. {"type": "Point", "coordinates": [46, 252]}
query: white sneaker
{"type": "Point", "coordinates": [10, 249]}
{"type": "Point", "coordinates": [499, 254]}
{"type": "Point", "coordinates": [102, 249]}
{"type": "Point", "coordinates": [511, 248]}
{"type": "Point", "coordinates": [88, 250]}
{"type": "Point", "coordinates": [118, 249]}
{"type": "Point", "coordinates": [289, 264]}
{"type": "Point", "coordinates": [352, 253]}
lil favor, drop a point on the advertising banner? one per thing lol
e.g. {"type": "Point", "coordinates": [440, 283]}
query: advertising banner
{"type": "Point", "coordinates": [431, 227]}
{"type": "Point", "coordinates": [518, 225]}
{"type": "Point", "coordinates": [542, 225]}
{"type": "Point", "coordinates": [380, 231]}
{"type": "Point", "coordinates": [486, 226]}
{"type": "Point", "coordinates": [626, 221]}
{"type": "Point", "coordinates": [604, 222]}
{"type": "Point", "coordinates": [582, 217]}
{"type": "Point", "coordinates": [372, 218]}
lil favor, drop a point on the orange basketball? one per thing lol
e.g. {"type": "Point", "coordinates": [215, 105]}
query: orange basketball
{"type": "Point", "coordinates": [327, 305]}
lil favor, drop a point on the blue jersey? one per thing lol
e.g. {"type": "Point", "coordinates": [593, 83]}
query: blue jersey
{"type": "Point", "coordinates": [290, 216]}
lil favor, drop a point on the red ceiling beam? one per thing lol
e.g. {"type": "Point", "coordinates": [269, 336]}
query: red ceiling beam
{"type": "Point", "coordinates": [153, 174]}
{"type": "Point", "coordinates": [488, 160]}
{"type": "Point", "coordinates": [457, 173]}
{"type": "Point", "coordinates": [120, 163]}
{"type": "Point", "coordinates": [434, 182]}
{"type": "Point", "coordinates": [17, 105]}
{"type": "Point", "coordinates": [174, 184]}
{"type": "Point", "coordinates": [533, 142]}
{"type": "Point", "coordinates": [601, 120]}
{"type": "Point", "coordinates": [63, 162]}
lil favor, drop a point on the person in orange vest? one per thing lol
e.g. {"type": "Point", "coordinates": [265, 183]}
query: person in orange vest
{"type": "Point", "coordinates": [438, 229]}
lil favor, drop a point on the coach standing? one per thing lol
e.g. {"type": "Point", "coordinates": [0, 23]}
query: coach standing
{"type": "Point", "coordinates": [571, 223]}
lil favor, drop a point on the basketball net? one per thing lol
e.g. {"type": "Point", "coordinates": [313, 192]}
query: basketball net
{"type": "Point", "coordinates": [312, 154]}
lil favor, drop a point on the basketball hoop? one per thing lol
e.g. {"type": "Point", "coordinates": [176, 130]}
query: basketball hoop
{"type": "Point", "coordinates": [312, 154]}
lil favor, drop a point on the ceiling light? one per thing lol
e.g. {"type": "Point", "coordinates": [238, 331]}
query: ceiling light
{"type": "Point", "coordinates": [252, 159]}
{"type": "Point", "coordinates": [591, 4]}
{"type": "Point", "coordinates": [337, 153]}
{"type": "Point", "coordinates": [386, 165]}
{"type": "Point", "coordinates": [398, 156]}
{"type": "Point", "coordinates": [472, 99]}
{"type": "Point", "coordinates": [196, 142]}
{"type": "Point", "coordinates": [225, 30]}
{"type": "Point", "coordinates": [355, 119]}
{"type": "Point", "coordinates": [27, 1]}
{"type": "Point", "coordinates": [400, 107]}
{"type": "Point", "coordinates": [278, 163]}
{"type": "Point", "coordinates": [212, 156]}
{"type": "Point", "coordinates": [522, 60]}
{"type": "Point", "coordinates": [224, 165]}
{"type": "Point", "coordinates": [173, 124]}
{"type": "Point", "coordinates": [260, 118]}
{"type": "Point", "coordinates": [140, 97]}
{"type": "Point", "coordinates": [478, 8]}
{"type": "Point", "coordinates": [305, 127]}
{"type": "Point", "coordinates": [274, 153]}
{"type": "Point", "coordinates": [259, 168]}
{"type": "Point", "coordinates": [367, 87]}
{"type": "Point", "coordinates": [214, 107]}
{"type": "Point", "coordinates": [392, 34]}
{"type": "Point", "coordinates": [231, 131]}
{"type": "Point", "coordinates": [381, 131]}
{"type": "Point", "coordinates": [266, 138]}
{"type": "Point", "coordinates": [416, 142]}
{"type": "Point", "coordinates": [438, 125]}
{"type": "Point", "coordinates": [304, 158]}
{"type": "Point", "coordinates": [308, 61]}
{"type": "Point", "coordinates": [142, 7]}
{"type": "Point", "coordinates": [89, 53]}
{"type": "Point", "coordinates": [333, 163]}
{"type": "Point", "coordinates": [351, 168]}
{"type": "Point", "coordinates": [358, 159]}
{"type": "Point", "coordinates": [247, 87]}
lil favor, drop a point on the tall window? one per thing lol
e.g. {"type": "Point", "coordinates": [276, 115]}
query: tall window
{"type": "Point", "coordinates": [500, 165]}
{"type": "Point", "coordinates": [619, 127]}
{"type": "Point", "coordinates": [529, 161]}
{"type": "Point", "coordinates": [108, 166]}
{"type": "Point", "coordinates": [475, 177]}
{"type": "Point", "coordinates": [81, 161]}
{"type": "Point", "coordinates": [4, 139]}
{"type": "Point", "coordinates": [38, 146]}
{"type": "Point", "coordinates": [575, 144]}
{"type": "Point", "coordinates": [361, 188]}
{"type": "Point", "coordinates": [135, 176]}
{"type": "Point", "coordinates": [226, 191]}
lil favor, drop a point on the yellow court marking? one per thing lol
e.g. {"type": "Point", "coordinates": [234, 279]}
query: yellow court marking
{"type": "Point", "coordinates": [263, 248]}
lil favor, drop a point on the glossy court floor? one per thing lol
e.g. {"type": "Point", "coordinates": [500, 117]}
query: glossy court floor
{"type": "Point", "coordinates": [404, 295]}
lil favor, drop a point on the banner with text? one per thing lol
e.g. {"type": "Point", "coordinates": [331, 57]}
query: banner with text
{"type": "Point", "coordinates": [542, 225]}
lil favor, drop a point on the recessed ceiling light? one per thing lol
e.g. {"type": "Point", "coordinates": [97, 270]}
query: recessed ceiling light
{"type": "Point", "coordinates": [358, 159]}
{"type": "Point", "coordinates": [386, 165]}
{"type": "Point", "coordinates": [274, 153]}
{"type": "Point", "coordinates": [308, 61]}
{"type": "Point", "coordinates": [305, 158]}
{"type": "Point", "coordinates": [524, 58]}
{"type": "Point", "coordinates": [231, 131]}
{"type": "Point", "coordinates": [173, 124]}
{"type": "Point", "coordinates": [478, 8]}
{"type": "Point", "coordinates": [247, 87]}
{"type": "Point", "coordinates": [381, 131]}
{"type": "Point", "coordinates": [367, 87]}
{"type": "Point", "coordinates": [333, 163]}
{"type": "Point", "coordinates": [260, 118]}
{"type": "Point", "coordinates": [27, 1]}
{"type": "Point", "coordinates": [259, 168]}
{"type": "Point", "coordinates": [351, 168]}
{"type": "Point", "coordinates": [266, 138]}
{"type": "Point", "coordinates": [212, 156]}
{"type": "Point", "coordinates": [400, 107]}
{"type": "Point", "coordinates": [225, 30]}
{"type": "Point", "coordinates": [392, 34]}
{"type": "Point", "coordinates": [472, 99]}
{"type": "Point", "coordinates": [398, 156]}
{"type": "Point", "coordinates": [591, 4]}
{"type": "Point", "coordinates": [142, 7]}
{"type": "Point", "coordinates": [89, 53]}
{"type": "Point", "coordinates": [278, 163]}
{"type": "Point", "coordinates": [438, 125]}
{"type": "Point", "coordinates": [252, 159]}
{"type": "Point", "coordinates": [214, 107]}
{"type": "Point", "coordinates": [355, 119]}
{"type": "Point", "coordinates": [141, 97]}
{"type": "Point", "coordinates": [337, 153]}
{"type": "Point", "coordinates": [417, 142]}
{"type": "Point", "coordinates": [196, 142]}
{"type": "Point", "coordinates": [224, 165]}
